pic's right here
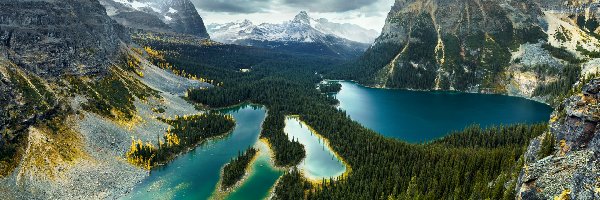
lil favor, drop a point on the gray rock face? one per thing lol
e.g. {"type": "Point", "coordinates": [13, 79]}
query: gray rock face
{"type": "Point", "coordinates": [451, 44]}
{"type": "Point", "coordinates": [7, 101]}
{"type": "Point", "coordinates": [574, 168]}
{"type": "Point", "coordinates": [51, 38]}
{"type": "Point", "coordinates": [186, 20]}
{"type": "Point", "coordinates": [179, 16]}
{"type": "Point", "coordinates": [459, 17]}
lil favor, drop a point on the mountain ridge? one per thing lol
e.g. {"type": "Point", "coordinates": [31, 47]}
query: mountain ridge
{"type": "Point", "coordinates": [179, 16]}
{"type": "Point", "coordinates": [298, 34]}
{"type": "Point", "coordinates": [473, 47]}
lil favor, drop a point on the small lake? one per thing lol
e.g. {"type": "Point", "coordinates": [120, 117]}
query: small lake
{"type": "Point", "coordinates": [320, 161]}
{"type": "Point", "coordinates": [416, 116]}
{"type": "Point", "coordinates": [195, 174]}
{"type": "Point", "coordinates": [263, 177]}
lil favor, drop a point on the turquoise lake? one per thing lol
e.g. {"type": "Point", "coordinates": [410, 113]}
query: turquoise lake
{"type": "Point", "coordinates": [195, 175]}
{"type": "Point", "coordinates": [416, 116]}
{"type": "Point", "coordinates": [320, 162]}
{"type": "Point", "coordinates": [407, 115]}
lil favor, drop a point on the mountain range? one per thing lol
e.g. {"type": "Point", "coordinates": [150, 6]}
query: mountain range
{"type": "Point", "coordinates": [302, 34]}
{"type": "Point", "coordinates": [79, 79]}
{"type": "Point", "coordinates": [233, 31]}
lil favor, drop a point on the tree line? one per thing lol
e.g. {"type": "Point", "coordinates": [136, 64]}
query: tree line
{"type": "Point", "coordinates": [185, 132]}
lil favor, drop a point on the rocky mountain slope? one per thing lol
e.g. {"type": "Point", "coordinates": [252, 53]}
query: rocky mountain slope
{"type": "Point", "coordinates": [302, 34]}
{"type": "Point", "coordinates": [179, 16]}
{"type": "Point", "coordinates": [74, 90]}
{"type": "Point", "coordinates": [38, 41]}
{"type": "Point", "coordinates": [565, 163]}
{"type": "Point", "coordinates": [51, 38]}
{"type": "Point", "coordinates": [479, 46]}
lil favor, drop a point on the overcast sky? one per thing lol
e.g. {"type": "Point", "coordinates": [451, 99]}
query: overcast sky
{"type": "Point", "coordinates": [370, 14]}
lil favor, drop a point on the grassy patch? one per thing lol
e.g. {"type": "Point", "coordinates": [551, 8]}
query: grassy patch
{"type": "Point", "coordinates": [52, 143]}
{"type": "Point", "coordinates": [29, 97]}
{"type": "Point", "coordinates": [562, 53]}
{"type": "Point", "coordinates": [113, 95]}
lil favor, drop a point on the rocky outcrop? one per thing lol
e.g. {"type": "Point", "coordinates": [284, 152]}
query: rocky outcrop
{"type": "Point", "coordinates": [186, 20]}
{"type": "Point", "coordinates": [178, 16]}
{"type": "Point", "coordinates": [52, 38]}
{"type": "Point", "coordinates": [572, 171]}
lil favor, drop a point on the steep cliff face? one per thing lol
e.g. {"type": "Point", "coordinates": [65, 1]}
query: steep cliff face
{"type": "Point", "coordinates": [41, 41]}
{"type": "Point", "coordinates": [52, 38]}
{"type": "Point", "coordinates": [186, 19]}
{"type": "Point", "coordinates": [453, 44]}
{"type": "Point", "coordinates": [566, 162]}
{"type": "Point", "coordinates": [179, 16]}
{"type": "Point", "coordinates": [498, 46]}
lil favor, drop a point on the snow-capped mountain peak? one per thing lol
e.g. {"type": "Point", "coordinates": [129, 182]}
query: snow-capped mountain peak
{"type": "Point", "coordinates": [302, 28]}
{"type": "Point", "coordinates": [302, 34]}
{"type": "Point", "coordinates": [302, 18]}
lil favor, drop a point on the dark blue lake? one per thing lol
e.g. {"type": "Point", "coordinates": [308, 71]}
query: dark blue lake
{"type": "Point", "coordinates": [416, 116]}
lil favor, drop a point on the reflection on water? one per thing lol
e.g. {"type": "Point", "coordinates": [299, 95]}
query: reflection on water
{"type": "Point", "coordinates": [320, 161]}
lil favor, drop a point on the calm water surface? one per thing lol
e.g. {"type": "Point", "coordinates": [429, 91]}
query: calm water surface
{"type": "Point", "coordinates": [320, 161]}
{"type": "Point", "coordinates": [195, 174]}
{"type": "Point", "coordinates": [262, 179]}
{"type": "Point", "coordinates": [420, 116]}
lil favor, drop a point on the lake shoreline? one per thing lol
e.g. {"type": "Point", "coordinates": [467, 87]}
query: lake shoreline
{"type": "Point", "coordinates": [326, 143]}
{"type": "Point", "coordinates": [418, 116]}
{"type": "Point", "coordinates": [539, 100]}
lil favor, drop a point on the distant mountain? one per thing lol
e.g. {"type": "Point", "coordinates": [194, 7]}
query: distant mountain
{"type": "Point", "coordinates": [179, 16]}
{"type": "Point", "coordinates": [302, 34]}
{"type": "Point", "coordinates": [346, 30]}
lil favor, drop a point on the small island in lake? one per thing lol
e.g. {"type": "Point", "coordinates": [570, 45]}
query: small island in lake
{"type": "Point", "coordinates": [235, 170]}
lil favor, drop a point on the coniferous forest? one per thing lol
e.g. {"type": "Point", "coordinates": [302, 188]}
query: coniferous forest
{"type": "Point", "coordinates": [475, 163]}
{"type": "Point", "coordinates": [187, 132]}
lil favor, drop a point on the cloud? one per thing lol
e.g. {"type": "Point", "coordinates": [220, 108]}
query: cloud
{"type": "Point", "coordinates": [329, 5]}
{"type": "Point", "coordinates": [233, 6]}
{"type": "Point", "coordinates": [262, 6]}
